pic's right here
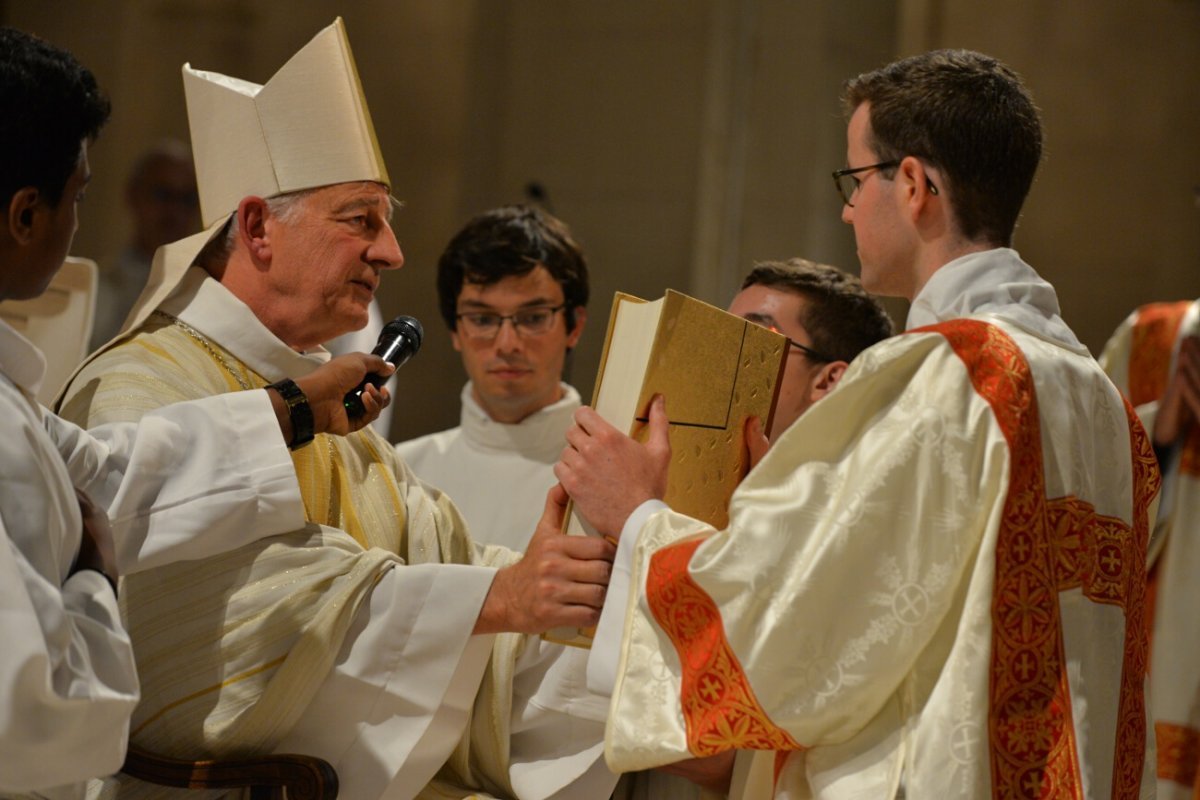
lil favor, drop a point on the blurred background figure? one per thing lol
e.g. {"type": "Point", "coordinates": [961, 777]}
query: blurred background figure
{"type": "Point", "coordinates": [160, 194]}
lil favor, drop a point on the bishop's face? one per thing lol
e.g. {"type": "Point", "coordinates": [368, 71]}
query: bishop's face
{"type": "Point", "coordinates": [328, 257]}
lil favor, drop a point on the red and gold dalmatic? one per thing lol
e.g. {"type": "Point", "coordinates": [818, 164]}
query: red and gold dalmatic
{"type": "Point", "coordinates": [934, 579]}
{"type": "Point", "coordinates": [1140, 357]}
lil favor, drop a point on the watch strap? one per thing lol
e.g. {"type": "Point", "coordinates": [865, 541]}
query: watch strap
{"type": "Point", "coordinates": [299, 411]}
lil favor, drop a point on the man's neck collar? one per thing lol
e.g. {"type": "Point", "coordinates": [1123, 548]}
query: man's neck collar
{"type": "Point", "coordinates": [933, 259]}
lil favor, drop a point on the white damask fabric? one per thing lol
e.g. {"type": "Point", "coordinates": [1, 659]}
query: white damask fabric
{"type": "Point", "coordinates": [933, 580]}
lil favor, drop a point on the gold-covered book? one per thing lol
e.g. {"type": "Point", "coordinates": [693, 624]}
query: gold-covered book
{"type": "Point", "coordinates": [714, 369]}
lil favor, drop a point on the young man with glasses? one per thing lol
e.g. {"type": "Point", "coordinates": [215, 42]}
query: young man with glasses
{"type": "Point", "coordinates": [512, 288]}
{"type": "Point", "coordinates": [933, 582]}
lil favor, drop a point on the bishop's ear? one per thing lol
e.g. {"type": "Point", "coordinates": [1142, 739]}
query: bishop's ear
{"type": "Point", "coordinates": [252, 216]}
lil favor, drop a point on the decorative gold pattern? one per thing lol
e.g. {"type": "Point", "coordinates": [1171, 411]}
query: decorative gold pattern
{"type": "Point", "coordinates": [1179, 754]}
{"type": "Point", "coordinates": [208, 346]}
{"type": "Point", "coordinates": [719, 707]}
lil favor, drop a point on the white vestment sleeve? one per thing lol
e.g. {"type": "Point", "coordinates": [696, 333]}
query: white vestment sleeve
{"type": "Point", "coordinates": [606, 644]}
{"type": "Point", "coordinates": [187, 481]}
{"type": "Point", "coordinates": [397, 700]}
{"type": "Point", "coordinates": [557, 730]}
{"type": "Point", "coordinates": [67, 676]}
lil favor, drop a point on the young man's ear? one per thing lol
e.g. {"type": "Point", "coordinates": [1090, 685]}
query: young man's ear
{"type": "Point", "coordinates": [21, 217]}
{"type": "Point", "coordinates": [577, 331]}
{"type": "Point", "coordinates": [916, 177]}
{"type": "Point", "coordinates": [828, 378]}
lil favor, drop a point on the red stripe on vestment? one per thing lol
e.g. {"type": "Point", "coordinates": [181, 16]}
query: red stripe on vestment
{"type": "Point", "coordinates": [719, 707]}
{"type": "Point", "coordinates": [1178, 754]}
{"type": "Point", "coordinates": [1043, 547]}
{"type": "Point", "coordinates": [1152, 343]}
{"type": "Point", "coordinates": [1152, 339]}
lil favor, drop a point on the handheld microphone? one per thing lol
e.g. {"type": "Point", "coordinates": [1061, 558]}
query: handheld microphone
{"type": "Point", "coordinates": [399, 341]}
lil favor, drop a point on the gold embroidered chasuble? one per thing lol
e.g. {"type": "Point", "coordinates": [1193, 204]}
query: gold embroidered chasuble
{"type": "Point", "coordinates": [231, 649]}
{"type": "Point", "coordinates": [935, 573]}
{"type": "Point", "coordinates": [1140, 358]}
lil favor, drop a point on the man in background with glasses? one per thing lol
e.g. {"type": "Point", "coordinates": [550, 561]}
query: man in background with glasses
{"type": "Point", "coordinates": [826, 315]}
{"type": "Point", "coordinates": [933, 583]}
{"type": "Point", "coordinates": [512, 288]}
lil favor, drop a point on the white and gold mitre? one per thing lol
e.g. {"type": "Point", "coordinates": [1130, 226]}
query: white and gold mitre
{"type": "Point", "coordinates": [307, 127]}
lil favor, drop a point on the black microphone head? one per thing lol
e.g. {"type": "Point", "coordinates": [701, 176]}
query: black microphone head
{"type": "Point", "coordinates": [399, 340]}
{"type": "Point", "coordinates": [403, 326]}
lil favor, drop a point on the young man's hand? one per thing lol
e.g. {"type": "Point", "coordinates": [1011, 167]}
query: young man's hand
{"type": "Point", "coordinates": [608, 474]}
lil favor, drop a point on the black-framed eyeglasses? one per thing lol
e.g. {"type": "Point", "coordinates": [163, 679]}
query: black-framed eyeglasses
{"type": "Point", "coordinates": [815, 355]}
{"type": "Point", "coordinates": [526, 322]}
{"type": "Point", "coordinates": [848, 182]}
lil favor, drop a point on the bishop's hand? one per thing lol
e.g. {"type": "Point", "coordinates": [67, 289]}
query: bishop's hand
{"type": "Point", "coordinates": [559, 583]}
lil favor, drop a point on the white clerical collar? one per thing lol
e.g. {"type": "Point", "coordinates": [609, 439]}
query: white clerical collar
{"type": "Point", "coordinates": [210, 308]}
{"type": "Point", "coordinates": [538, 435]}
{"type": "Point", "coordinates": [997, 283]}
{"type": "Point", "coordinates": [21, 361]}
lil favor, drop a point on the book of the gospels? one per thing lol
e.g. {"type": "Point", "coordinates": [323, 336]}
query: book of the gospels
{"type": "Point", "coordinates": [715, 370]}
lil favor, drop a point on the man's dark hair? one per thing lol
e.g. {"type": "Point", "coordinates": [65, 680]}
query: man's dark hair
{"type": "Point", "coordinates": [969, 116]}
{"type": "Point", "coordinates": [841, 318]}
{"type": "Point", "coordinates": [49, 103]}
{"type": "Point", "coordinates": [511, 240]}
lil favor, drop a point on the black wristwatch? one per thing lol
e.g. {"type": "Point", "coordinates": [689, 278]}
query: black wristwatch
{"type": "Point", "coordinates": [298, 410]}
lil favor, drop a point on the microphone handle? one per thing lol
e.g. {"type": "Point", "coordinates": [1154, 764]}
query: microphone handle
{"type": "Point", "coordinates": [396, 352]}
{"type": "Point", "coordinates": [353, 399]}
{"type": "Point", "coordinates": [400, 340]}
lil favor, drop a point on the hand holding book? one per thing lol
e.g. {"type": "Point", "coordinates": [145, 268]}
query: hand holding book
{"type": "Point", "coordinates": [610, 474]}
